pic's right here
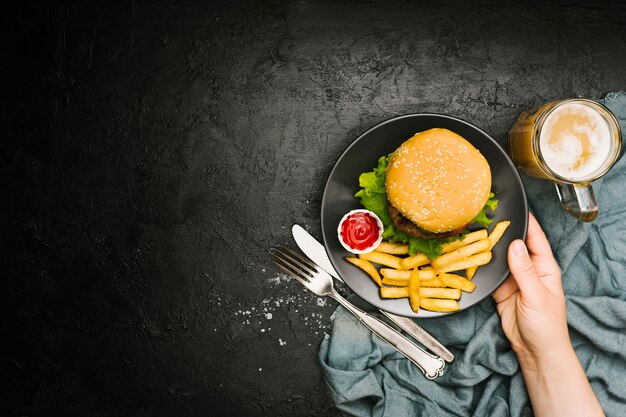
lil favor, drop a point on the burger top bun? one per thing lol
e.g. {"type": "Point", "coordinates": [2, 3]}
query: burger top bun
{"type": "Point", "coordinates": [438, 180]}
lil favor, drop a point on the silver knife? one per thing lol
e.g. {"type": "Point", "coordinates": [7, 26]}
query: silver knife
{"type": "Point", "coordinates": [317, 253]}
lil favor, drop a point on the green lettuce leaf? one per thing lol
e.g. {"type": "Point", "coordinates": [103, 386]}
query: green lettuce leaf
{"type": "Point", "coordinates": [482, 218]}
{"type": "Point", "coordinates": [429, 247]}
{"type": "Point", "coordinates": [373, 182]}
{"type": "Point", "coordinates": [376, 203]}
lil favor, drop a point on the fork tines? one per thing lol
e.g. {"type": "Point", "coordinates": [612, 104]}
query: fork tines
{"type": "Point", "coordinates": [293, 263]}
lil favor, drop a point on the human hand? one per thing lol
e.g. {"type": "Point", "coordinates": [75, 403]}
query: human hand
{"type": "Point", "coordinates": [531, 302]}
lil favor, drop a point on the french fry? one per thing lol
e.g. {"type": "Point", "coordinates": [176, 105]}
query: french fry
{"type": "Point", "coordinates": [461, 253]}
{"type": "Point", "coordinates": [414, 290]}
{"type": "Point", "coordinates": [367, 267]}
{"type": "Point", "coordinates": [469, 238]}
{"type": "Point", "coordinates": [435, 282]}
{"type": "Point", "coordinates": [382, 258]}
{"type": "Point", "coordinates": [456, 281]}
{"type": "Point", "coordinates": [398, 273]}
{"type": "Point", "coordinates": [411, 262]}
{"type": "Point", "coordinates": [426, 274]}
{"type": "Point", "coordinates": [394, 292]}
{"type": "Point", "coordinates": [435, 304]}
{"type": "Point", "coordinates": [395, 273]}
{"type": "Point", "coordinates": [398, 282]}
{"type": "Point", "coordinates": [494, 237]}
{"type": "Point", "coordinates": [427, 268]}
{"type": "Point", "coordinates": [474, 260]}
{"type": "Point", "coordinates": [497, 233]}
{"type": "Point", "coordinates": [393, 248]}
{"type": "Point", "coordinates": [470, 272]}
{"type": "Point", "coordinates": [401, 278]}
{"type": "Point", "coordinates": [428, 292]}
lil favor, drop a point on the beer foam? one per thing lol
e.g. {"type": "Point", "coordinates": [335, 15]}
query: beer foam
{"type": "Point", "coordinates": [575, 141]}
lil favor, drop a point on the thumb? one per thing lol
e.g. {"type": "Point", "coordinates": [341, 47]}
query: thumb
{"type": "Point", "coordinates": [523, 271]}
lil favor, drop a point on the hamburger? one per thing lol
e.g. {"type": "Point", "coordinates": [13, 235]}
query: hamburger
{"type": "Point", "coordinates": [436, 184]}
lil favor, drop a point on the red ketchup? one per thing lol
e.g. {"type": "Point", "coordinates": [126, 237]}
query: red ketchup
{"type": "Point", "coordinates": [360, 231]}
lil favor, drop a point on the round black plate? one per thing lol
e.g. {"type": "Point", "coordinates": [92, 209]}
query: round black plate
{"type": "Point", "coordinates": [362, 156]}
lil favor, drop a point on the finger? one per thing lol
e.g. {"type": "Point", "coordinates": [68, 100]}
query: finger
{"type": "Point", "coordinates": [542, 257]}
{"type": "Point", "coordinates": [536, 240]}
{"type": "Point", "coordinates": [507, 289]}
{"type": "Point", "coordinates": [524, 272]}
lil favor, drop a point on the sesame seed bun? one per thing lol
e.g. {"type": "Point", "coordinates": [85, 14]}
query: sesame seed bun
{"type": "Point", "coordinates": [438, 180]}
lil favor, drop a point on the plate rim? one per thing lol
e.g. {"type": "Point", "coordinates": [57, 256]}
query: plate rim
{"type": "Point", "coordinates": [508, 160]}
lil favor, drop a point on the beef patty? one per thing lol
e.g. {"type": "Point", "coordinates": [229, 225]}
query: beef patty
{"type": "Point", "coordinates": [407, 226]}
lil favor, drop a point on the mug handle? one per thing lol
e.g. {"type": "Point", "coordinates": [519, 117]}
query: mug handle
{"type": "Point", "coordinates": [578, 200]}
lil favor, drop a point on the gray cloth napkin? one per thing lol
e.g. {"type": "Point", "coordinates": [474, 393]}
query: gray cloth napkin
{"type": "Point", "coordinates": [367, 377]}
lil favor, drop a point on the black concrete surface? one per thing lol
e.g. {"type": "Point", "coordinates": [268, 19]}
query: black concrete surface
{"type": "Point", "coordinates": [153, 151]}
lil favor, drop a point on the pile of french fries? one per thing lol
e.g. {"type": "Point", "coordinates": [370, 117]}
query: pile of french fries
{"type": "Point", "coordinates": [429, 284]}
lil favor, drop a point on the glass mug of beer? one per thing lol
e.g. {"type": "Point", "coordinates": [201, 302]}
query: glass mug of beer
{"type": "Point", "coordinates": [571, 142]}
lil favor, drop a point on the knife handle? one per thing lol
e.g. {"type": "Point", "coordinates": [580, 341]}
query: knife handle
{"type": "Point", "coordinates": [421, 335]}
{"type": "Point", "coordinates": [432, 366]}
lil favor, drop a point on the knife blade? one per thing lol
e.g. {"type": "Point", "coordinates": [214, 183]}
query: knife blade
{"type": "Point", "coordinates": [317, 253]}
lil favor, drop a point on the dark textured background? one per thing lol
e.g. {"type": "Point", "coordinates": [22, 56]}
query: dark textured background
{"type": "Point", "coordinates": [152, 152]}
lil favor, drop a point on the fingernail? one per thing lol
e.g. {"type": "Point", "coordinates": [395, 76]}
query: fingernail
{"type": "Point", "coordinates": [519, 248]}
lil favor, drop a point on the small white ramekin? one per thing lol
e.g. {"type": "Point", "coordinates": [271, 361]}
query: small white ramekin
{"type": "Point", "coordinates": [381, 229]}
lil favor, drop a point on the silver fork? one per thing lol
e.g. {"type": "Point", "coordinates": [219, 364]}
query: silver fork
{"type": "Point", "coordinates": [320, 283]}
